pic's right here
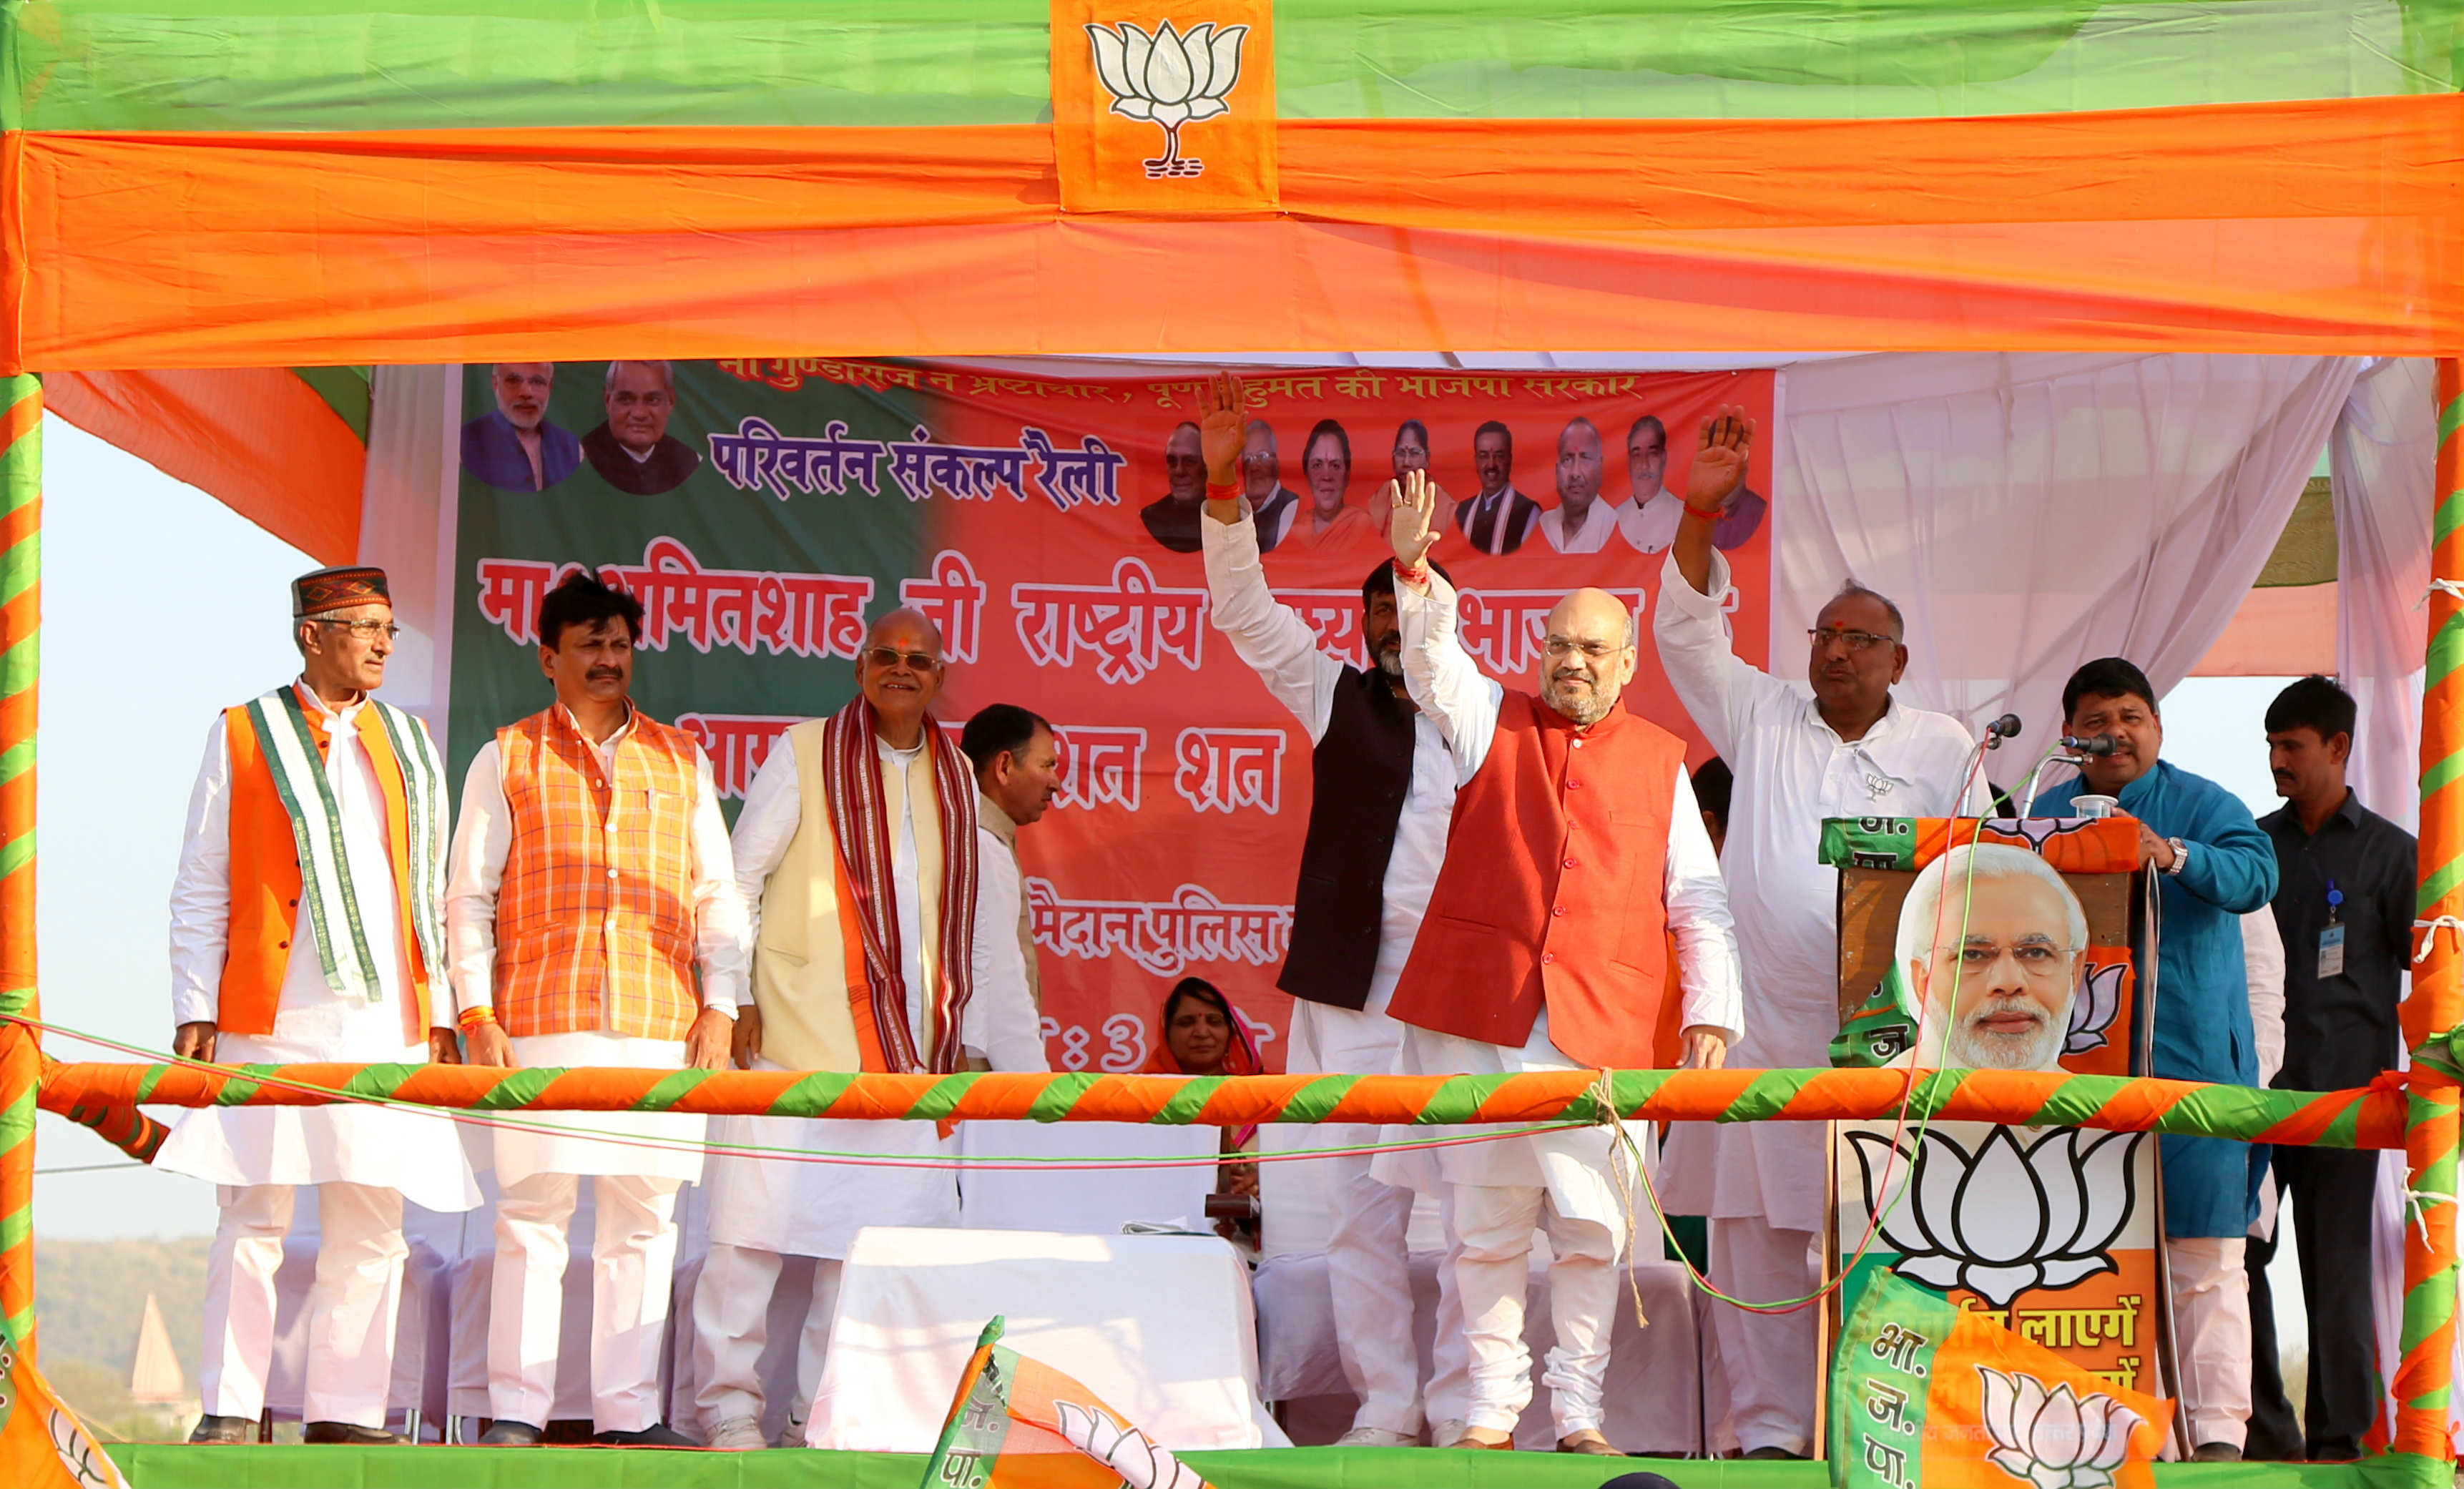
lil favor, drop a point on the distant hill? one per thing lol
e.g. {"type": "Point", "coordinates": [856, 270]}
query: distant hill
{"type": "Point", "coordinates": [90, 1297]}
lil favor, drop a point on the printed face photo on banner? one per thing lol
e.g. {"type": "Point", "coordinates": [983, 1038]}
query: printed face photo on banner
{"type": "Point", "coordinates": [766, 511]}
{"type": "Point", "coordinates": [2015, 955]}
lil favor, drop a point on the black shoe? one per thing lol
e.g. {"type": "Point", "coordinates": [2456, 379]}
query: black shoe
{"type": "Point", "coordinates": [658, 1434]}
{"type": "Point", "coordinates": [1773, 1456]}
{"type": "Point", "coordinates": [350, 1433]}
{"type": "Point", "coordinates": [223, 1430]}
{"type": "Point", "coordinates": [2216, 1453]}
{"type": "Point", "coordinates": [506, 1434]}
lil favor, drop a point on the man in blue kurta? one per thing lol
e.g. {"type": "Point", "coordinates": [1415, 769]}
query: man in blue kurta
{"type": "Point", "coordinates": [2214, 865]}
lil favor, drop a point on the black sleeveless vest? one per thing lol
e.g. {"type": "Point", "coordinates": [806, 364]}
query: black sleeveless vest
{"type": "Point", "coordinates": [1360, 773]}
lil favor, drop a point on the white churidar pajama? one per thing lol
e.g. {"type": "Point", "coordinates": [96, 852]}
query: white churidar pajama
{"type": "Point", "coordinates": [632, 1256]}
{"type": "Point", "coordinates": [1368, 1257]}
{"type": "Point", "coordinates": [1762, 1183]}
{"type": "Point", "coordinates": [1577, 1184]}
{"type": "Point", "coordinates": [764, 1209]}
{"type": "Point", "coordinates": [2211, 1320]}
{"type": "Point", "coordinates": [362, 1159]}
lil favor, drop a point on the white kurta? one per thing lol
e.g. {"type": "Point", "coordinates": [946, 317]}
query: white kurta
{"type": "Point", "coordinates": [1573, 1166]}
{"type": "Point", "coordinates": [804, 1208]}
{"type": "Point", "coordinates": [1282, 648]}
{"type": "Point", "coordinates": [482, 841]}
{"type": "Point", "coordinates": [1599, 524]}
{"type": "Point", "coordinates": [1651, 525]}
{"type": "Point", "coordinates": [415, 1153]}
{"type": "Point", "coordinates": [1792, 771]}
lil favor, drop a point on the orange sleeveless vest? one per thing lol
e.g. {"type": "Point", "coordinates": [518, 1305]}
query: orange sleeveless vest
{"type": "Point", "coordinates": [1552, 892]}
{"type": "Point", "coordinates": [265, 876]}
{"type": "Point", "coordinates": [595, 916]}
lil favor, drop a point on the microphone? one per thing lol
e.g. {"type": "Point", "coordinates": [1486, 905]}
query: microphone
{"type": "Point", "coordinates": [2101, 744]}
{"type": "Point", "coordinates": [2006, 727]}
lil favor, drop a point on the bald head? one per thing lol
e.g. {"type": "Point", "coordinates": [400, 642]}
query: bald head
{"type": "Point", "coordinates": [1589, 656]}
{"type": "Point", "coordinates": [900, 673]}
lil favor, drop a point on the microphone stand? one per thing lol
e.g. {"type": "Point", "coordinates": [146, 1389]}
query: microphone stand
{"type": "Point", "coordinates": [2052, 757]}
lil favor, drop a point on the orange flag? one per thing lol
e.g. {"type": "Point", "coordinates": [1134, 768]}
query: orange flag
{"type": "Point", "coordinates": [1017, 1424]}
{"type": "Point", "coordinates": [42, 1444]}
{"type": "Point", "coordinates": [1926, 1394]}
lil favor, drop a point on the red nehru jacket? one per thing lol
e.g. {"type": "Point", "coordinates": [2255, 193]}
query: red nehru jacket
{"type": "Point", "coordinates": [1553, 891]}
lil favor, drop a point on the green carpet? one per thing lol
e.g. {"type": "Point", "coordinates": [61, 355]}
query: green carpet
{"type": "Point", "coordinates": [157, 1466]}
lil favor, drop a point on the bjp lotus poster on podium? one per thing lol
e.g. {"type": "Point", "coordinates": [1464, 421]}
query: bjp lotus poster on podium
{"type": "Point", "coordinates": [766, 511]}
{"type": "Point", "coordinates": [2009, 944]}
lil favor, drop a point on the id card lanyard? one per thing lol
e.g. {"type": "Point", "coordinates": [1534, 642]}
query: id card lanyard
{"type": "Point", "coordinates": [2331, 937]}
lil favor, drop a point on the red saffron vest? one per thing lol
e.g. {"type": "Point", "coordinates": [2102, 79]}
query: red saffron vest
{"type": "Point", "coordinates": [1552, 894]}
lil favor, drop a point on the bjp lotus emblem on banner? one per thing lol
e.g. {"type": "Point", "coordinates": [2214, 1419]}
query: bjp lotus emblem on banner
{"type": "Point", "coordinates": [2093, 1011]}
{"type": "Point", "coordinates": [2058, 1438]}
{"type": "Point", "coordinates": [2003, 1220]}
{"type": "Point", "coordinates": [1169, 78]}
{"type": "Point", "coordinates": [1201, 72]}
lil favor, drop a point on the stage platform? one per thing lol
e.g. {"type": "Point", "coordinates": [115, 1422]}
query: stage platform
{"type": "Point", "coordinates": [163, 1466]}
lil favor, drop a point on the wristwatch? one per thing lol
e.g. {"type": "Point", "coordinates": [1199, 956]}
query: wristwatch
{"type": "Point", "coordinates": [2181, 855]}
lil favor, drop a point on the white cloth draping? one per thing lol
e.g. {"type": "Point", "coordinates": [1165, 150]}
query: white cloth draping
{"type": "Point", "coordinates": [1158, 1327]}
{"type": "Point", "coordinates": [247, 1147]}
{"type": "Point", "coordinates": [2380, 459]}
{"type": "Point", "coordinates": [2130, 499]}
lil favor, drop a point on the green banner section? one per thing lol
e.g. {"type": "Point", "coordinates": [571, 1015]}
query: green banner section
{"type": "Point", "coordinates": [156, 1466]}
{"type": "Point", "coordinates": [356, 64]}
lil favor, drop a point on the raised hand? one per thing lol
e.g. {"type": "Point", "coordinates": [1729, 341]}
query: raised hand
{"type": "Point", "coordinates": [1412, 528]}
{"type": "Point", "coordinates": [1220, 428]}
{"type": "Point", "coordinates": [1719, 469]}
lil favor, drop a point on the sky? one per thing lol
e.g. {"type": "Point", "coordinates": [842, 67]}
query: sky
{"type": "Point", "coordinates": [162, 607]}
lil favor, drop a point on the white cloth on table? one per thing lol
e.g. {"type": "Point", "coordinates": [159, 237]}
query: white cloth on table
{"type": "Point", "coordinates": [1792, 771]}
{"type": "Point", "coordinates": [352, 1306]}
{"type": "Point", "coordinates": [1095, 1200]}
{"type": "Point", "coordinates": [246, 1147]}
{"type": "Point", "coordinates": [2210, 1290]}
{"type": "Point", "coordinates": [633, 1267]}
{"type": "Point", "coordinates": [1158, 1327]}
{"type": "Point", "coordinates": [1367, 1248]}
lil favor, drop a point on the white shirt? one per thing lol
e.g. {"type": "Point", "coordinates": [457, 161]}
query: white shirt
{"type": "Point", "coordinates": [309, 1013]}
{"type": "Point", "coordinates": [1449, 688]}
{"type": "Point", "coordinates": [1282, 649]}
{"type": "Point", "coordinates": [484, 837]}
{"type": "Point", "coordinates": [1599, 523]}
{"type": "Point", "coordinates": [1792, 771]}
{"type": "Point", "coordinates": [1651, 525]}
{"type": "Point", "coordinates": [999, 1024]}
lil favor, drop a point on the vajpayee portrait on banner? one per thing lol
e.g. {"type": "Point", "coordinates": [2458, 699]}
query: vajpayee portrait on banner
{"type": "Point", "coordinates": [1991, 942]}
{"type": "Point", "coordinates": [514, 448]}
{"type": "Point", "coordinates": [633, 450]}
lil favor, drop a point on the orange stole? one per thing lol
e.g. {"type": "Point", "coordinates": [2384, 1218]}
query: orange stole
{"type": "Point", "coordinates": [265, 876]}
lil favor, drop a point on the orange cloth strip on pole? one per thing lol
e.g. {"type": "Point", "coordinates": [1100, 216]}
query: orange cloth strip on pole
{"type": "Point", "coordinates": [258, 438]}
{"type": "Point", "coordinates": [2313, 225]}
{"type": "Point", "coordinates": [2000, 1096]}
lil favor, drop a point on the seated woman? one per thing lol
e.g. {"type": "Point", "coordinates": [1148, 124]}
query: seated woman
{"type": "Point", "coordinates": [1203, 1037]}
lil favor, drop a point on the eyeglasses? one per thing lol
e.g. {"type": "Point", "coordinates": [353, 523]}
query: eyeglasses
{"type": "Point", "coordinates": [368, 631]}
{"type": "Point", "coordinates": [1562, 647]}
{"type": "Point", "coordinates": [891, 656]}
{"type": "Point", "coordinates": [1856, 640]}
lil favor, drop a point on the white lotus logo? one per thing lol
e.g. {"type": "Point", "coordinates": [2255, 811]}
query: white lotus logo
{"type": "Point", "coordinates": [2055, 1439]}
{"type": "Point", "coordinates": [1169, 78]}
{"type": "Point", "coordinates": [1126, 1451]}
{"type": "Point", "coordinates": [2005, 1219]}
{"type": "Point", "coordinates": [2093, 1009]}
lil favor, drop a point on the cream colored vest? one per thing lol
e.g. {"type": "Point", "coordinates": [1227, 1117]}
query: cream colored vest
{"type": "Point", "coordinates": [800, 965]}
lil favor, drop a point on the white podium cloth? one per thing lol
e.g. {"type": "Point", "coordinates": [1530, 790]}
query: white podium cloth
{"type": "Point", "coordinates": [1652, 1394]}
{"type": "Point", "coordinates": [1159, 1327]}
{"type": "Point", "coordinates": [1083, 1200]}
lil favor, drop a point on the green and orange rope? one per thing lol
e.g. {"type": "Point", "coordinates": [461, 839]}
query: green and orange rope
{"type": "Point", "coordinates": [21, 606]}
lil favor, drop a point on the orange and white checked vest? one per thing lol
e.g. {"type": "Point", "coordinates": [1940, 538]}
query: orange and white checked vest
{"type": "Point", "coordinates": [595, 915]}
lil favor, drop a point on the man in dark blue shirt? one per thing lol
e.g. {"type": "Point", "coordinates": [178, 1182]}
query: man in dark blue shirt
{"type": "Point", "coordinates": [2345, 904]}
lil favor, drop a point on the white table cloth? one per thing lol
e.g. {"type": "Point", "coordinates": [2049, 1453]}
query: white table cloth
{"type": "Point", "coordinates": [1159, 1327]}
{"type": "Point", "coordinates": [1083, 1200]}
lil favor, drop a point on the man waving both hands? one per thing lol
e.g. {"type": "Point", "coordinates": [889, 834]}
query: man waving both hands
{"type": "Point", "coordinates": [1575, 853]}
